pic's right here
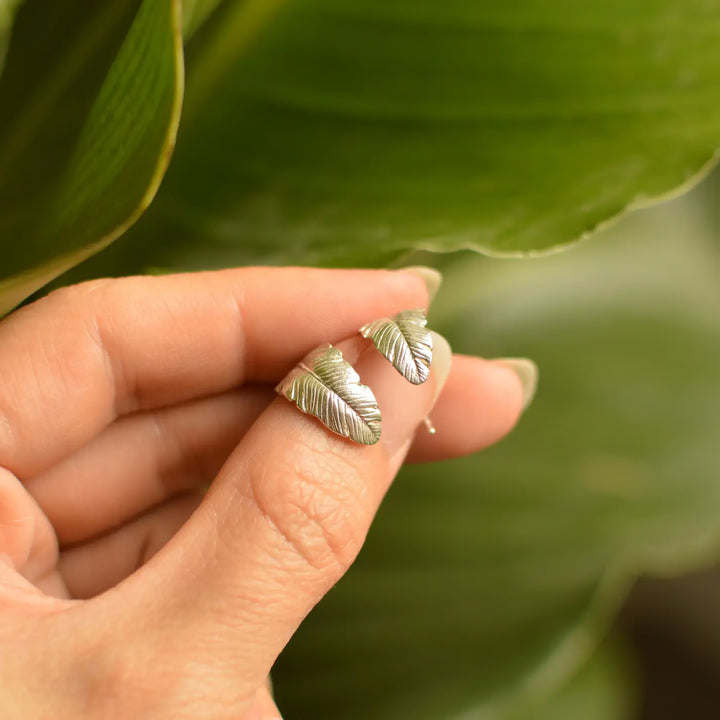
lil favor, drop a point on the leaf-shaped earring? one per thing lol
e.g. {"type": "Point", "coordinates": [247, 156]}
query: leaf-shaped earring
{"type": "Point", "coordinates": [326, 386]}
{"type": "Point", "coordinates": [405, 341]}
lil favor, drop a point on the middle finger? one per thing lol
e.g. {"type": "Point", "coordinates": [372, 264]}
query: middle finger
{"type": "Point", "coordinates": [142, 460]}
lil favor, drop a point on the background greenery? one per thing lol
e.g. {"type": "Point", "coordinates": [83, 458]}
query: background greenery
{"type": "Point", "coordinates": [372, 132]}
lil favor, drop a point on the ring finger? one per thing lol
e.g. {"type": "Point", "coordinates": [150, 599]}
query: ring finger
{"type": "Point", "coordinates": [142, 460]}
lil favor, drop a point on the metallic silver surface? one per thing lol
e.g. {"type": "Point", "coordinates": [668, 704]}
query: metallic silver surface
{"type": "Point", "coordinates": [326, 386]}
{"type": "Point", "coordinates": [405, 341]}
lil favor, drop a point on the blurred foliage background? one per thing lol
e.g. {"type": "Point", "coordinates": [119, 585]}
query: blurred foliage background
{"type": "Point", "coordinates": [385, 132]}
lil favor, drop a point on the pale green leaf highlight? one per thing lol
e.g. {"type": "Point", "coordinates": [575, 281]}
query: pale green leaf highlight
{"type": "Point", "coordinates": [405, 341]}
{"type": "Point", "coordinates": [327, 386]}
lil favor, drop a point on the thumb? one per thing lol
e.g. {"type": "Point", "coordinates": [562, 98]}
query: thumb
{"type": "Point", "coordinates": [281, 524]}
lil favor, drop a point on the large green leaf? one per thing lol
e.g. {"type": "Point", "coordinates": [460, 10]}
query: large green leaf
{"type": "Point", "coordinates": [347, 132]}
{"type": "Point", "coordinates": [89, 105]}
{"type": "Point", "coordinates": [495, 573]}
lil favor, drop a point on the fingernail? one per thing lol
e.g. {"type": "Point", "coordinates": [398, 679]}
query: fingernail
{"type": "Point", "coordinates": [441, 361]}
{"type": "Point", "coordinates": [431, 277]}
{"type": "Point", "coordinates": [527, 372]}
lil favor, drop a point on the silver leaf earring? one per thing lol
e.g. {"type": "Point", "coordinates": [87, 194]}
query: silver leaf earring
{"type": "Point", "coordinates": [326, 386]}
{"type": "Point", "coordinates": [405, 341]}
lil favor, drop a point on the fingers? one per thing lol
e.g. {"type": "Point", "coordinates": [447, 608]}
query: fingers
{"type": "Point", "coordinates": [75, 360]}
{"type": "Point", "coordinates": [93, 567]}
{"type": "Point", "coordinates": [284, 519]}
{"type": "Point", "coordinates": [480, 403]}
{"type": "Point", "coordinates": [142, 460]}
{"type": "Point", "coordinates": [27, 541]}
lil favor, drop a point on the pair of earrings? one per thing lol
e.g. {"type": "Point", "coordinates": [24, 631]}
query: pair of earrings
{"type": "Point", "coordinates": [327, 386]}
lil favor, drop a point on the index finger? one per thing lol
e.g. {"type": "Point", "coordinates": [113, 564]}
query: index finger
{"type": "Point", "coordinates": [75, 360]}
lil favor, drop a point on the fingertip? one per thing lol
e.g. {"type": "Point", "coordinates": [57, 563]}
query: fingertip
{"type": "Point", "coordinates": [527, 373]}
{"type": "Point", "coordinates": [431, 278]}
{"type": "Point", "coordinates": [441, 363]}
{"type": "Point", "coordinates": [494, 393]}
{"type": "Point", "coordinates": [479, 405]}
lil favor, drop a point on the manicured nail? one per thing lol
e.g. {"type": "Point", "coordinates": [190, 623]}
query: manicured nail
{"type": "Point", "coordinates": [527, 372]}
{"type": "Point", "coordinates": [431, 277]}
{"type": "Point", "coordinates": [441, 361]}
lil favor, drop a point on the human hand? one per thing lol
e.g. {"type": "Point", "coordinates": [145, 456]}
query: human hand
{"type": "Point", "coordinates": [125, 591]}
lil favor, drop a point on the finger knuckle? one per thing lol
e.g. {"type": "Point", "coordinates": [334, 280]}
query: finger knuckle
{"type": "Point", "coordinates": [316, 501]}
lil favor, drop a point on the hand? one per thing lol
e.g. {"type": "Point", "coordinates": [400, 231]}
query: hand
{"type": "Point", "coordinates": [125, 590]}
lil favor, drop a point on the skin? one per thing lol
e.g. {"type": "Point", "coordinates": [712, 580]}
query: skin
{"type": "Point", "coordinates": [126, 591]}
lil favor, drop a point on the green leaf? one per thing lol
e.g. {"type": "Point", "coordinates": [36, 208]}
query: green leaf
{"type": "Point", "coordinates": [89, 105]}
{"type": "Point", "coordinates": [497, 573]}
{"type": "Point", "coordinates": [346, 133]}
